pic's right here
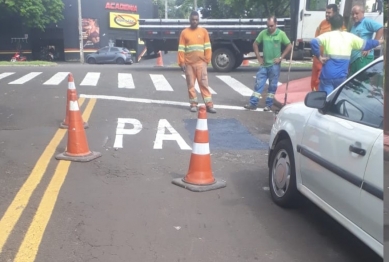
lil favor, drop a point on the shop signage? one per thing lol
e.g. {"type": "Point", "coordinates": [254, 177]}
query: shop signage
{"type": "Point", "coordinates": [120, 6]}
{"type": "Point", "coordinates": [124, 21]}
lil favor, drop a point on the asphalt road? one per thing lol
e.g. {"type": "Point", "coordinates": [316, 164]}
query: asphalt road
{"type": "Point", "coordinates": [123, 206]}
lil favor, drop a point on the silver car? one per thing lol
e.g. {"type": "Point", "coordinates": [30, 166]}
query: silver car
{"type": "Point", "coordinates": [108, 55]}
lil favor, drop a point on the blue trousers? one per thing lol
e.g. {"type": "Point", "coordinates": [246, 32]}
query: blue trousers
{"type": "Point", "coordinates": [264, 73]}
{"type": "Point", "coordinates": [328, 85]}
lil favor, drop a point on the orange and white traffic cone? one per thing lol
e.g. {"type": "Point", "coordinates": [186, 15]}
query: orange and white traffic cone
{"type": "Point", "coordinates": [199, 177]}
{"type": "Point", "coordinates": [245, 61]}
{"type": "Point", "coordinates": [71, 89]}
{"type": "Point", "coordinates": [159, 59]}
{"type": "Point", "coordinates": [77, 147]}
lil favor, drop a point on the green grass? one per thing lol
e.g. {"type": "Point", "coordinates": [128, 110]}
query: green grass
{"type": "Point", "coordinates": [27, 63]}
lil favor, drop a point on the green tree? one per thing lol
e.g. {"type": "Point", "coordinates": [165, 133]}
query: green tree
{"type": "Point", "coordinates": [33, 13]}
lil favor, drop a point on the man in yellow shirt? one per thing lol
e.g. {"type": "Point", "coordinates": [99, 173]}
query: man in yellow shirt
{"type": "Point", "coordinates": [194, 55]}
{"type": "Point", "coordinates": [324, 27]}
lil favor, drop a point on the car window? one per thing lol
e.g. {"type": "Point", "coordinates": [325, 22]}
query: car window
{"type": "Point", "coordinates": [362, 98]}
{"type": "Point", "coordinates": [114, 49]}
{"type": "Point", "coordinates": [104, 49]}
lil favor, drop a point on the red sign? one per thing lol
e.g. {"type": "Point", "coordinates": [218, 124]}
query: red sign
{"type": "Point", "coordinates": [120, 6]}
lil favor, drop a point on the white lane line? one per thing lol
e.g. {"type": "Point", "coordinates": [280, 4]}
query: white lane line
{"type": "Point", "coordinates": [125, 81]}
{"type": "Point", "coordinates": [90, 79]}
{"type": "Point", "coordinates": [160, 83]}
{"type": "Point", "coordinates": [57, 78]}
{"type": "Point", "coordinates": [25, 78]}
{"type": "Point", "coordinates": [161, 102]}
{"type": "Point", "coordinates": [198, 88]}
{"type": "Point", "coordinates": [236, 85]}
{"type": "Point", "coordinates": [267, 81]}
{"type": "Point", "coordinates": [4, 75]}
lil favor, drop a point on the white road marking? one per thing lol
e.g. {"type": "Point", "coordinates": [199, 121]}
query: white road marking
{"type": "Point", "coordinates": [236, 85]}
{"type": "Point", "coordinates": [161, 102]}
{"type": "Point", "coordinates": [90, 79]}
{"type": "Point", "coordinates": [25, 78]}
{"type": "Point", "coordinates": [120, 131]}
{"type": "Point", "coordinates": [267, 81]}
{"type": "Point", "coordinates": [125, 81]}
{"type": "Point", "coordinates": [4, 75]}
{"type": "Point", "coordinates": [160, 83]}
{"type": "Point", "coordinates": [198, 88]}
{"type": "Point", "coordinates": [174, 135]}
{"type": "Point", "coordinates": [57, 78]}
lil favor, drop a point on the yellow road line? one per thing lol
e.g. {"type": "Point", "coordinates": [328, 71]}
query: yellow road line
{"type": "Point", "coordinates": [19, 203]}
{"type": "Point", "coordinates": [29, 248]}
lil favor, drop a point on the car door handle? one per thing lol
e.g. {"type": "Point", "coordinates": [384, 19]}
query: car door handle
{"type": "Point", "coordinates": [357, 150]}
{"type": "Point", "coordinates": [307, 14]}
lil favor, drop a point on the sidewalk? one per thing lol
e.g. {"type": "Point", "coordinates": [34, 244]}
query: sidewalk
{"type": "Point", "coordinates": [297, 90]}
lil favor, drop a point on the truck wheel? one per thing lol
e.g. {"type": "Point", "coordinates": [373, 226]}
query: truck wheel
{"type": "Point", "coordinates": [223, 60]}
{"type": "Point", "coordinates": [239, 60]}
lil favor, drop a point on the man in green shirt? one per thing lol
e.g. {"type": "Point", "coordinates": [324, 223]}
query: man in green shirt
{"type": "Point", "coordinates": [270, 64]}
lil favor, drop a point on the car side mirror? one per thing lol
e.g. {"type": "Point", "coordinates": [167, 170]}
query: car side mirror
{"type": "Point", "coordinates": [316, 99]}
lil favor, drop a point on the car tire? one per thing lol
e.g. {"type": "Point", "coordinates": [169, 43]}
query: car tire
{"type": "Point", "coordinates": [91, 61]}
{"type": "Point", "coordinates": [120, 61]}
{"type": "Point", "coordinates": [282, 175]}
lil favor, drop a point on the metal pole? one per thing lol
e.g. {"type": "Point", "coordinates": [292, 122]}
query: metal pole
{"type": "Point", "coordinates": [195, 4]}
{"type": "Point", "coordinates": [165, 9]}
{"type": "Point", "coordinates": [386, 85]}
{"type": "Point", "coordinates": [80, 32]}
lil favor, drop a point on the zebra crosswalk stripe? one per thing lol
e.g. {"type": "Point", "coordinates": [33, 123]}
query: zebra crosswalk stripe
{"type": "Point", "coordinates": [4, 75]}
{"type": "Point", "coordinates": [160, 83]}
{"type": "Point", "coordinates": [90, 79]}
{"type": "Point", "coordinates": [125, 80]}
{"type": "Point", "coordinates": [236, 85]}
{"type": "Point", "coordinates": [198, 88]}
{"type": "Point", "coordinates": [57, 78]}
{"type": "Point", "coordinates": [25, 78]}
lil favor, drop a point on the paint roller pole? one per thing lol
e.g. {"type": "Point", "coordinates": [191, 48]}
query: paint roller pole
{"type": "Point", "coordinates": [287, 82]}
{"type": "Point", "coordinates": [80, 32]}
{"type": "Point", "coordinates": [165, 9]}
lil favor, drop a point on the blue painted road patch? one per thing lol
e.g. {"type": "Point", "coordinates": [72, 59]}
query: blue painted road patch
{"type": "Point", "coordinates": [227, 134]}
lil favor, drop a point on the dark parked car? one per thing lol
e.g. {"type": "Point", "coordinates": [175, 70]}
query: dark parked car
{"type": "Point", "coordinates": [107, 55]}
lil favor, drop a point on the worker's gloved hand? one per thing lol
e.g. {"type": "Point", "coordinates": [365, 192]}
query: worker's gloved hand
{"type": "Point", "coordinates": [183, 68]}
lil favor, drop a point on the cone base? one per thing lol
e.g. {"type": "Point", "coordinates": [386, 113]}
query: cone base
{"type": "Point", "coordinates": [65, 126]}
{"type": "Point", "coordinates": [199, 188]}
{"type": "Point", "coordinates": [86, 158]}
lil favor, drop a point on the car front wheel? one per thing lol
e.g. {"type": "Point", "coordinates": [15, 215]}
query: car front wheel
{"type": "Point", "coordinates": [282, 175]}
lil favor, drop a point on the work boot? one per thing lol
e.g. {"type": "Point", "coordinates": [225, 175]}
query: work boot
{"type": "Point", "coordinates": [211, 110]}
{"type": "Point", "coordinates": [267, 109]}
{"type": "Point", "coordinates": [193, 109]}
{"type": "Point", "coordinates": [250, 107]}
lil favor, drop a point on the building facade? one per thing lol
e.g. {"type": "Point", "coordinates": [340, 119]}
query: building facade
{"type": "Point", "coordinates": [104, 23]}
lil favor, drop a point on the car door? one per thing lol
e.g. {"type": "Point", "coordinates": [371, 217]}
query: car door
{"type": "Point", "coordinates": [371, 198]}
{"type": "Point", "coordinates": [336, 143]}
{"type": "Point", "coordinates": [113, 54]}
{"type": "Point", "coordinates": [101, 57]}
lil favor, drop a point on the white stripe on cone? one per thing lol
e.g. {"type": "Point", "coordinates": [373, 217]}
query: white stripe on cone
{"type": "Point", "coordinates": [202, 124]}
{"type": "Point", "coordinates": [73, 106]}
{"type": "Point", "coordinates": [71, 86]}
{"type": "Point", "coordinates": [201, 149]}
